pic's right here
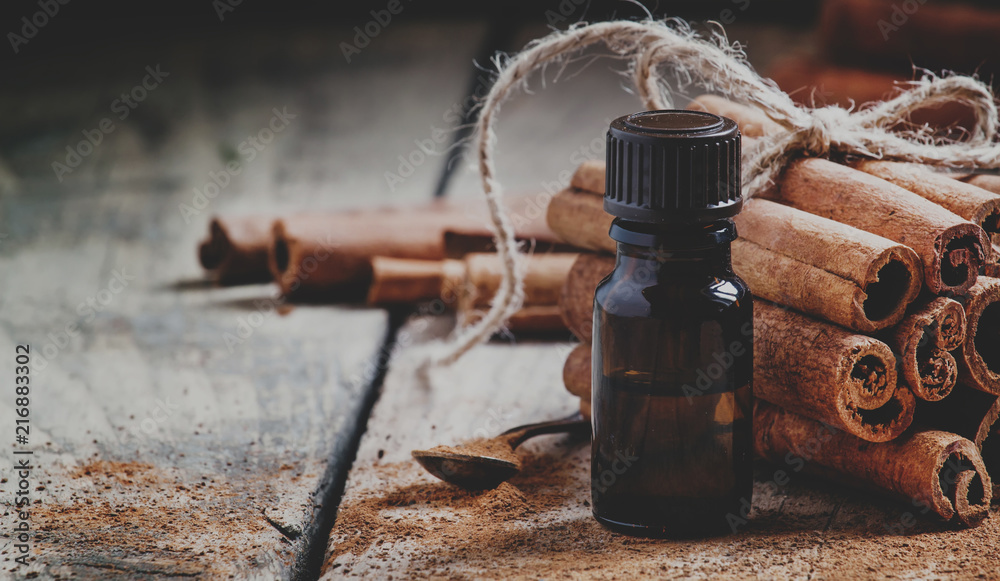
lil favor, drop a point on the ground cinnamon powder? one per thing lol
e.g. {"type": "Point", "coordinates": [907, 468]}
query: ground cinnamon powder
{"type": "Point", "coordinates": [397, 520]}
{"type": "Point", "coordinates": [488, 447]}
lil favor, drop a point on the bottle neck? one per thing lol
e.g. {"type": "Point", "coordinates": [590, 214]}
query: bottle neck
{"type": "Point", "coordinates": [687, 247]}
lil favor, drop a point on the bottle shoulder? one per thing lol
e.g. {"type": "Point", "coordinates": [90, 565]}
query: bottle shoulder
{"type": "Point", "coordinates": [669, 295]}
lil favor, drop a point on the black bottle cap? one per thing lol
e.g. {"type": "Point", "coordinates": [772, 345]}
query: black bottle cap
{"type": "Point", "coordinates": [673, 167]}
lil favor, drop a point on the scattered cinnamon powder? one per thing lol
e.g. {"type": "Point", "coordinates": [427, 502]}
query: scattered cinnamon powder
{"type": "Point", "coordinates": [126, 473]}
{"type": "Point", "coordinates": [142, 520]}
{"type": "Point", "coordinates": [397, 520]}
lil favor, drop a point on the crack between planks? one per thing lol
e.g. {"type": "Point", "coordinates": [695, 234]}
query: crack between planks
{"type": "Point", "coordinates": [316, 534]}
{"type": "Point", "coordinates": [311, 549]}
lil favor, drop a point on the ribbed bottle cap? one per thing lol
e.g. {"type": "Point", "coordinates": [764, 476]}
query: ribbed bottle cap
{"type": "Point", "coordinates": [673, 166]}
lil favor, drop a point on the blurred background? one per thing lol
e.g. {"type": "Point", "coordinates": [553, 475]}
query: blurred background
{"type": "Point", "coordinates": [366, 92]}
{"type": "Point", "coordinates": [368, 85]}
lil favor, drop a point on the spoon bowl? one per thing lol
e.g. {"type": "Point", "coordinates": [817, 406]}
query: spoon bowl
{"type": "Point", "coordinates": [471, 468]}
{"type": "Point", "coordinates": [467, 470]}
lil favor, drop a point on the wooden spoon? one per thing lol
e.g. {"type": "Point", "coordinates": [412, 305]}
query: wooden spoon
{"type": "Point", "coordinates": [486, 463]}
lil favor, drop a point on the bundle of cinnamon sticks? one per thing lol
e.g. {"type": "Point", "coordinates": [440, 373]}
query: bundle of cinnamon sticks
{"type": "Point", "coordinates": [874, 320]}
{"type": "Point", "coordinates": [435, 253]}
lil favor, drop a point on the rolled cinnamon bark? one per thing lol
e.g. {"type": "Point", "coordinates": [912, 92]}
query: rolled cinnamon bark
{"type": "Point", "coordinates": [937, 470]}
{"type": "Point", "coordinates": [818, 266]}
{"type": "Point", "coordinates": [964, 199]}
{"type": "Point", "coordinates": [752, 122]}
{"type": "Point", "coordinates": [320, 255]}
{"type": "Point", "coordinates": [992, 269]}
{"type": "Point", "coordinates": [408, 280]}
{"type": "Point", "coordinates": [578, 218]}
{"type": "Point", "coordinates": [816, 83]}
{"type": "Point", "coordinates": [825, 268]}
{"type": "Point", "coordinates": [470, 284]}
{"type": "Point", "coordinates": [236, 249]}
{"type": "Point", "coordinates": [952, 249]}
{"type": "Point", "coordinates": [577, 371]}
{"type": "Point", "coordinates": [990, 183]}
{"type": "Point", "coordinates": [530, 320]}
{"type": "Point", "coordinates": [576, 301]}
{"type": "Point", "coordinates": [972, 414]}
{"type": "Point", "coordinates": [829, 374]}
{"type": "Point", "coordinates": [923, 341]}
{"type": "Point", "coordinates": [472, 281]}
{"type": "Point", "coordinates": [539, 319]}
{"type": "Point", "coordinates": [589, 177]}
{"type": "Point", "coordinates": [979, 356]}
{"type": "Point", "coordinates": [970, 509]}
{"type": "Point", "coordinates": [544, 277]}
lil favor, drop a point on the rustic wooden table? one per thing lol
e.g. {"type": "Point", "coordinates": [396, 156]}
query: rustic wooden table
{"type": "Point", "coordinates": [181, 430]}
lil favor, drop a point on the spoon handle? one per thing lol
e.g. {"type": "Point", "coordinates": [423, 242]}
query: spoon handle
{"type": "Point", "coordinates": [573, 424]}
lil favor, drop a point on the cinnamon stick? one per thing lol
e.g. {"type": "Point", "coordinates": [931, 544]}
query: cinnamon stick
{"type": "Point", "coordinates": [589, 177]}
{"type": "Point", "coordinates": [992, 269]}
{"type": "Point", "coordinates": [818, 266]}
{"type": "Point", "coordinates": [951, 248]}
{"type": "Point", "coordinates": [470, 284]}
{"type": "Point", "coordinates": [923, 341]}
{"type": "Point", "coordinates": [824, 268]}
{"type": "Point", "coordinates": [536, 319]}
{"type": "Point", "coordinates": [576, 301]}
{"type": "Point", "coordinates": [965, 199]}
{"type": "Point", "coordinates": [577, 371]}
{"type": "Point", "coordinates": [530, 320]}
{"type": "Point", "coordinates": [579, 219]}
{"type": "Point", "coordinates": [472, 281]}
{"type": "Point", "coordinates": [236, 249]}
{"type": "Point", "coordinates": [409, 281]}
{"type": "Point", "coordinates": [753, 122]}
{"type": "Point", "coordinates": [979, 356]}
{"type": "Point", "coordinates": [990, 183]}
{"type": "Point", "coordinates": [829, 374]}
{"type": "Point", "coordinates": [816, 83]}
{"type": "Point", "coordinates": [972, 414]}
{"type": "Point", "coordinates": [323, 254]}
{"type": "Point", "coordinates": [937, 470]}
{"type": "Point", "coordinates": [544, 277]}
{"type": "Point", "coordinates": [974, 205]}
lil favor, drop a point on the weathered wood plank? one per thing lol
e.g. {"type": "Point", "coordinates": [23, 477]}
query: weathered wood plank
{"type": "Point", "coordinates": [396, 520]}
{"type": "Point", "coordinates": [181, 430]}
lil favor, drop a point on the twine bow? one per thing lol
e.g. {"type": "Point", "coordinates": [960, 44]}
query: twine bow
{"type": "Point", "coordinates": [879, 131]}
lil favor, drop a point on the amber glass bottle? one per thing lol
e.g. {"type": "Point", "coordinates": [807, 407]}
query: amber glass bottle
{"type": "Point", "coordinates": [673, 333]}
